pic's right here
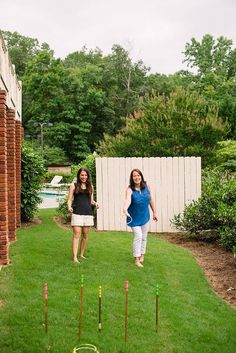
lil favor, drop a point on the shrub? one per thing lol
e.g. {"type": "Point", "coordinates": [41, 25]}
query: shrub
{"type": "Point", "coordinates": [62, 209]}
{"type": "Point", "coordinates": [215, 210]}
{"type": "Point", "coordinates": [54, 156]}
{"type": "Point", "coordinates": [32, 171]}
{"type": "Point", "coordinates": [226, 155]}
{"type": "Point", "coordinates": [67, 177]}
{"type": "Point", "coordinates": [90, 163]}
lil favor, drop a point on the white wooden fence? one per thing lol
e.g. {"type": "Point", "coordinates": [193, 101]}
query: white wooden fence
{"type": "Point", "coordinates": [174, 183]}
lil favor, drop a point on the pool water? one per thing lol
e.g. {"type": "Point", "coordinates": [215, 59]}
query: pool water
{"type": "Point", "coordinates": [50, 200]}
{"type": "Point", "coordinates": [51, 196]}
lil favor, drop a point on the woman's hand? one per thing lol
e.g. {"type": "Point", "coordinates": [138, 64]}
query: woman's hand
{"type": "Point", "coordinates": [155, 217]}
{"type": "Point", "coordinates": [70, 209]}
{"type": "Point", "coordinates": [125, 213]}
{"type": "Point", "coordinates": [96, 204]}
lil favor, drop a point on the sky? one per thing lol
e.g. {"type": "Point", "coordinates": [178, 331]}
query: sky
{"type": "Point", "coordinates": [154, 31]}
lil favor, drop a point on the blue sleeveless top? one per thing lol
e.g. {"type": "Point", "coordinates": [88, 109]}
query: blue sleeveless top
{"type": "Point", "coordinates": [139, 207]}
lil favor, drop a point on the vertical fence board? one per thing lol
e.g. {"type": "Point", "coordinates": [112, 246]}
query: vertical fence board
{"type": "Point", "coordinates": [164, 187]}
{"type": "Point", "coordinates": [152, 181]}
{"type": "Point", "coordinates": [158, 199]}
{"type": "Point", "coordinates": [123, 184]}
{"type": "Point", "coordinates": [105, 205]}
{"type": "Point", "coordinates": [176, 189]}
{"type": "Point", "coordinates": [199, 179]}
{"type": "Point", "coordinates": [181, 186]}
{"type": "Point", "coordinates": [111, 184]}
{"type": "Point", "coordinates": [99, 193]}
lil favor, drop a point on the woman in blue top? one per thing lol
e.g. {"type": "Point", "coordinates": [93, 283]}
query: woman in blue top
{"type": "Point", "coordinates": [136, 208]}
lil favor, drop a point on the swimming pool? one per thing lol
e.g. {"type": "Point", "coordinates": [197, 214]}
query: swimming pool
{"type": "Point", "coordinates": [50, 195]}
{"type": "Point", "coordinates": [50, 200]}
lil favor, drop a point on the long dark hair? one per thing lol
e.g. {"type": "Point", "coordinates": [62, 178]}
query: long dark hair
{"type": "Point", "coordinates": [89, 185]}
{"type": "Point", "coordinates": [131, 181]}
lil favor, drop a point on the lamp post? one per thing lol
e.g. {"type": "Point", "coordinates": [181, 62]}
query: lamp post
{"type": "Point", "coordinates": [41, 131]}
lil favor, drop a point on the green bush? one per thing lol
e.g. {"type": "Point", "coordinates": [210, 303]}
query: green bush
{"type": "Point", "coordinates": [32, 172]}
{"type": "Point", "coordinates": [226, 155]}
{"type": "Point", "coordinates": [62, 209]}
{"type": "Point", "coordinates": [54, 156]}
{"type": "Point", "coordinates": [90, 163]}
{"type": "Point", "coordinates": [213, 215]}
{"type": "Point", "coordinates": [67, 177]}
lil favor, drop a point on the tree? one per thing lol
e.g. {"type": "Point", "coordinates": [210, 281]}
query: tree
{"type": "Point", "coordinates": [110, 85]}
{"type": "Point", "coordinates": [54, 156]}
{"type": "Point", "coordinates": [182, 124]}
{"type": "Point", "coordinates": [211, 55]}
{"type": "Point", "coordinates": [215, 63]}
{"type": "Point", "coordinates": [42, 87]}
{"type": "Point", "coordinates": [157, 84]}
{"type": "Point", "coordinates": [124, 83]}
{"type": "Point", "coordinates": [22, 49]}
{"type": "Point", "coordinates": [83, 57]}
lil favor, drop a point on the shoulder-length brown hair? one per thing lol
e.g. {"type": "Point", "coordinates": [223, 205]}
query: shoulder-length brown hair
{"type": "Point", "coordinates": [89, 185]}
{"type": "Point", "coordinates": [131, 181]}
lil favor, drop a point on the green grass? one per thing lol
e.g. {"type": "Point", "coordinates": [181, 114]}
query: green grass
{"type": "Point", "coordinates": [191, 317]}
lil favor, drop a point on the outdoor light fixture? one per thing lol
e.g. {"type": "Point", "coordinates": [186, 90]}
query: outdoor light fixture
{"type": "Point", "coordinates": [41, 129]}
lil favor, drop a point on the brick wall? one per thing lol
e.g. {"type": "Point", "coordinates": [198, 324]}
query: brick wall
{"type": "Point", "coordinates": [10, 176]}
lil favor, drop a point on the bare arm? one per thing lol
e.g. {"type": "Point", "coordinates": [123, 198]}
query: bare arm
{"type": "Point", "coordinates": [128, 194]}
{"type": "Point", "coordinates": [151, 203]}
{"type": "Point", "coordinates": [93, 202]}
{"type": "Point", "coordinates": [70, 197]}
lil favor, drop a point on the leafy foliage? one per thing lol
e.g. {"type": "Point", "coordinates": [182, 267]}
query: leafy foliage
{"type": "Point", "coordinates": [89, 94]}
{"type": "Point", "coordinates": [226, 155]}
{"type": "Point", "coordinates": [22, 49]}
{"type": "Point", "coordinates": [214, 211]}
{"type": "Point", "coordinates": [32, 171]}
{"type": "Point", "coordinates": [67, 177]}
{"type": "Point", "coordinates": [54, 156]}
{"type": "Point", "coordinates": [62, 210]}
{"type": "Point", "coordinates": [215, 62]}
{"type": "Point", "coordinates": [182, 124]}
{"type": "Point", "coordinates": [90, 163]}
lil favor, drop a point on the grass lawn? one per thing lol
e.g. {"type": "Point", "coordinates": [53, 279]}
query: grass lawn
{"type": "Point", "coordinates": [191, 317]}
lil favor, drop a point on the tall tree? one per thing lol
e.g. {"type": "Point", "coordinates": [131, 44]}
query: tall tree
{"type": "Point", "coordinates": [22, 49]}
{"type": "Point", "coordinates": [211, 56]}
{"type": "Point", "coordinates": [43, 97]}
{"type": "Point", "coordinates": [182, 124]}
{"type": "Point", "coordinates": [215, 64]}
{"type": "Point", "coordinates": [83, 57]}
{"type": "Point", "coordinates": [124, 83]}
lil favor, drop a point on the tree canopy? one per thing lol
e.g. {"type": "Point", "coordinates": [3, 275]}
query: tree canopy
{"type": "Point", "coordinates": [94, 100]}
{"type": "Point", "coordinates": [182, 124]}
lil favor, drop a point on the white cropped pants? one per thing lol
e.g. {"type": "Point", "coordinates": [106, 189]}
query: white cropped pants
{"type": "Point", "coordinates": [140, 240]}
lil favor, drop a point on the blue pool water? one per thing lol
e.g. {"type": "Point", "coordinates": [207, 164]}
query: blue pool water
{"type": "Point", "coordinates": [51, 196]}
{"type": "Point", "coordinates": [50, 200]}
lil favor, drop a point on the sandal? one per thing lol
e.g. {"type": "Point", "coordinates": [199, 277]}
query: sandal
{"type": "Point", "coordinates": [138, 263]}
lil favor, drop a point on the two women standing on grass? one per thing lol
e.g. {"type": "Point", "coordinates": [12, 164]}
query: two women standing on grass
{"type": "Point", "coordinates": [137, 201]}
{"type": "Point", "coordinates": [80, 202]}
{"type": "Point", "coordinates": [136, 208]}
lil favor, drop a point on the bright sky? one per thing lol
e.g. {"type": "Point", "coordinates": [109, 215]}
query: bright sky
{"type": "Point", "coordinates": [155, 31]}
